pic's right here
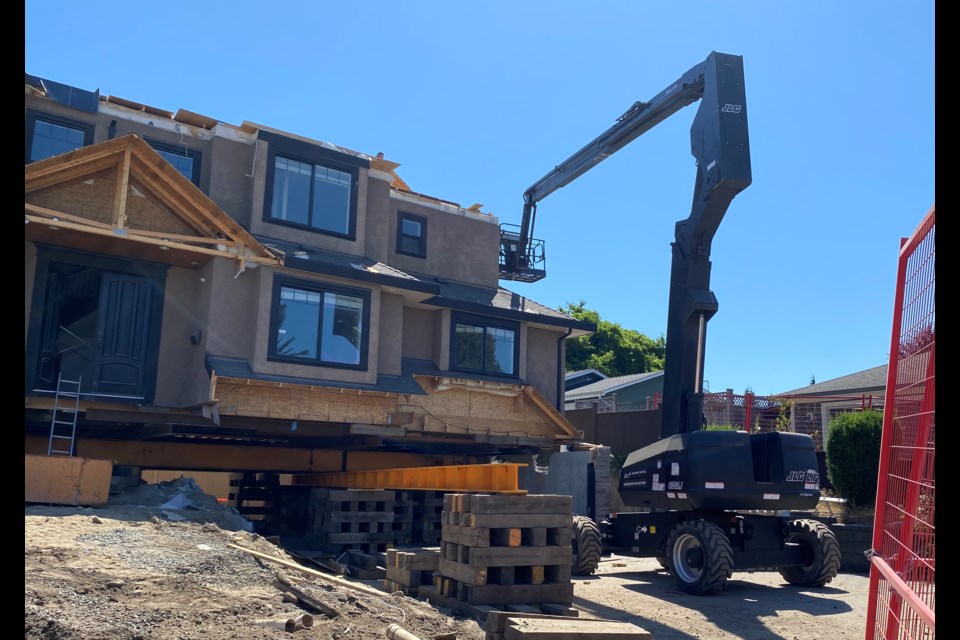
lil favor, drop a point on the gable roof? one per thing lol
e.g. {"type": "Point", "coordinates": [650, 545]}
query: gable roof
{"type": "Point", "coordinates": [180, 226]}
{"type": "Point", "coordinates": [874, 379]}
{"type": "Point", "coordinates": [610, 385]}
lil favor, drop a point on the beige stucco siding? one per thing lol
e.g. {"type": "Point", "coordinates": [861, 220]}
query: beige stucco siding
{"type": "Point", "coordinates": [418, 333]}
{"type": "Point", "coordinates": [182, 379]}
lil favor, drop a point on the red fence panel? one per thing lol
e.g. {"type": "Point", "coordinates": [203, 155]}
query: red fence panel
{"type": "Point", "coordinates": [902, 576]}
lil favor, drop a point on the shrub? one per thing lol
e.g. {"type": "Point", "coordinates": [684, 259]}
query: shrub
{"type": "Point", "coordinates": [853, 455]}
{"type": "Point", "coordinates": [721, 427]}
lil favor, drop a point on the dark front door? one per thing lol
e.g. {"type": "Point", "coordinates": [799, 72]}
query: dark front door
{"type": "Point", "coordinates": [96, 328]}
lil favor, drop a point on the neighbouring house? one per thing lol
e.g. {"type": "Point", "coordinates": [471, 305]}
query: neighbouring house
{"type": "Point", "coordinates": [577, 379]}
{"type": "Point", "coordinates": [813, 406]}
{"type": "Point", "coordinates": [638, 391]}
{"type": "Point", "coordinates": [241, 298]}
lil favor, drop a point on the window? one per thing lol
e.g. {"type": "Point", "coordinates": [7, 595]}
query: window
{"type": "Point", "coordinates": [311, 186]}
{"type": "Point", "coordinates": [186, 161]}
{"type": "Point", "coordinates": [47, 135]}
{"type": "Point", "coordinates": [321, 324]}
{"type": "Point", "coordinates": [412, 235]}
{"type": "Point", "coordinates": [482, 346]}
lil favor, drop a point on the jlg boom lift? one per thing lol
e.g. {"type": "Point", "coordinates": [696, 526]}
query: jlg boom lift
{"type": "Point", "coordinates": [706, 503]}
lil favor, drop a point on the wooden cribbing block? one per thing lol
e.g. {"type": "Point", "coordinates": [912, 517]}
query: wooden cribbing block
{"type": "Point", "coordinates": [517, 556]}
{"type": "Point", "coordinates": [546, 504]}
{"type": "Point", "coordinates": [573, 629]}
{"type": "Point", "coordinates": [502, 575]}
{"type": "Point", "coordinates": [474, 576]}
{"type": "Point", "coordinates": [519, 520]}
{"type": "Point", "coordinates": [497, 621]}
{"type": "Point", "coordinates": [560, 536]}
{"type": "Point", "coordinates": [561, 593]}
{"type": "Point", "coordinates": [505, 537]}
{"type": "Point", "coordinates": [534, 537]}
{"type": "Point", "coordinates": [409, 578]}
{"type": "Point", "coordinates": [471, 537]}
{"type": "Point", "coordinates": [426, 559]}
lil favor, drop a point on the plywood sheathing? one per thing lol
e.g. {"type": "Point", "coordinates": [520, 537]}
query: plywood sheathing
{"type": "Point", "coordinates": [246, 397]}
{"type": "Point", "coordinates": [126, 185]}
{"type": "Point", "coordinates": [452, 406]}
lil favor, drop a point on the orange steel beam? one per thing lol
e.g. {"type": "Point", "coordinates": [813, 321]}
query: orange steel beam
{"type": "Point", "coordinates": [481, 478]}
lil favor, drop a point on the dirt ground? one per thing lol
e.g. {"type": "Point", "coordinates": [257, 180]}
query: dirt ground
{"type": "Point", "coordinates": [146, 568]}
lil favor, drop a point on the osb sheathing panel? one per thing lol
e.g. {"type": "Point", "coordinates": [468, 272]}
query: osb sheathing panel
{"type": "Point", "coordinates": [464, 410]}
{"type": "Point", "coordinates": [302, 403]}
{"type": "Point", "coordinates": [90, 201]}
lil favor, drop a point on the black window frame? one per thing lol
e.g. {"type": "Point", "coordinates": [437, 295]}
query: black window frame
{"type": "Point", "coordinates": [281, 281]}
{"type": "Point", "coordinates": [194, 154]}
{"type": "Point", "coordinates": [312, 155]}
{"type": "Point", "coordinates": [422, 221]}
{"type": "Point", "coordinates": [33, 115]}
{"type": "Point", "coordinates": [484, 322]}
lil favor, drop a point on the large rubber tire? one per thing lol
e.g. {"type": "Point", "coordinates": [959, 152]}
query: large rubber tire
{"type": "Point", "coordinates": [700, 557]}
{"type": "Point", "coordinates": [661, 555]}
{"type": "Point", "coordinates": [586, 546]}
{"type": "Point", "coordinates": [824, 552]}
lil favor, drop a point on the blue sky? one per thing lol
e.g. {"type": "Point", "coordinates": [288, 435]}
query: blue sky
{"type": "Point", "coordinates": [477, 101]}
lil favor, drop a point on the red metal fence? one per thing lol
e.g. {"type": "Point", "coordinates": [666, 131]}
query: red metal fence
{"type": "Point", "coordinates": [902, 580]}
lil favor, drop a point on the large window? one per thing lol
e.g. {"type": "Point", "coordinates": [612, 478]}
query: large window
{"type": "Point", "coordinates": [412, 235]}
{"type": "Point", "coordinates": [48, 135]}
{"type": "Point", "coordinates": [313, 195]}
{"type": "Point", "coordinates": [483, 346]}
{"type": "Point", "coordinates": [186, 161]}
{"type": "Point", "coordinates": [314, 323]}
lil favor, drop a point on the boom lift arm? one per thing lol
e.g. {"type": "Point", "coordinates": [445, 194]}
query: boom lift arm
{"type": "Point", "coordinates": [720, 144]}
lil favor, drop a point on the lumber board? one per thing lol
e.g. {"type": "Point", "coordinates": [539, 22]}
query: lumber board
{"type": "Point", "coordinates": [573, 629]}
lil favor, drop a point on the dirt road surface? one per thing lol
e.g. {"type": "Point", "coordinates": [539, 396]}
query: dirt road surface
{"type": "Point", "coordinates": [148, 568]}
{"type": "Point", "coordinates": [754, 605]}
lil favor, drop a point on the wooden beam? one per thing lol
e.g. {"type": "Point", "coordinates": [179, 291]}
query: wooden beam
{"type": "Point", "coordinates": [61, 224]}
{"type": "Point", "coordinates": [122, 187]}
{"type": "Point", "coordinates": [51, 213]}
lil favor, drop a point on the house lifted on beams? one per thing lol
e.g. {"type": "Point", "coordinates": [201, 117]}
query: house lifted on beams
{"type": "Point", "coordinates": [242, 299]}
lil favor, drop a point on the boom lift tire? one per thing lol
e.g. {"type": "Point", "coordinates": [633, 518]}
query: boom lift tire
{"type": "Point", "coordinates": [662, 557]}
{"type": "Point", "coordinates": [586, 546]}
{"type": "Point", "coordinates": [700, 557]}
{"type": "Point", "coordinates": [824, 553]}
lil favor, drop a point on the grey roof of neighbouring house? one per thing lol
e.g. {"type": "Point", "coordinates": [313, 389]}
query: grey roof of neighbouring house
{"type": "Point", "coordinates": [874, 379]}
{"type": "Point", "coordinates": [609, 385]}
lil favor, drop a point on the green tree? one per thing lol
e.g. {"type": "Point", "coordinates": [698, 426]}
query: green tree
{"type": "Point", "coordinates": [612, 350]}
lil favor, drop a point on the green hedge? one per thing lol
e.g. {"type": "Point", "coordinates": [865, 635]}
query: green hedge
{"type": "Point", "coordinates": [853, 455]}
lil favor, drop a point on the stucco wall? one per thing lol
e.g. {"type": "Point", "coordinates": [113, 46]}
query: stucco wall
{"type": "Point", "coordinates": [230, 183]}
{"type": "Point", "coordinates": [542, 361]}
{"type": "Point", "coordinates": [458, 247]}
{"type": "Point", "coordinates": [231, 330]}
{"type": "Point", "coordinates": [182, 379]}
{"type": "Point", "coordinates": [378, 222]}
{"type": "Point", "coordinates": [391, 334]}
{"type": "Point", "coordinates": [418, 333]}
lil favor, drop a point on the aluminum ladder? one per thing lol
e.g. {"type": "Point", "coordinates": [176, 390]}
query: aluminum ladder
{"type": "Point", "coordinates": [63, 425]}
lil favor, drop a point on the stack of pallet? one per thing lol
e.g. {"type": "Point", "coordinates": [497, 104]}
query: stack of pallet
{"type": "Point", "coordinates": [506, 549]}
{"type": "Point", "coordinates": [343, 519]}
{"type": "Point", "coordinates": [408, 569]}
{"type": "Point", "coordinates": [417, 517]}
